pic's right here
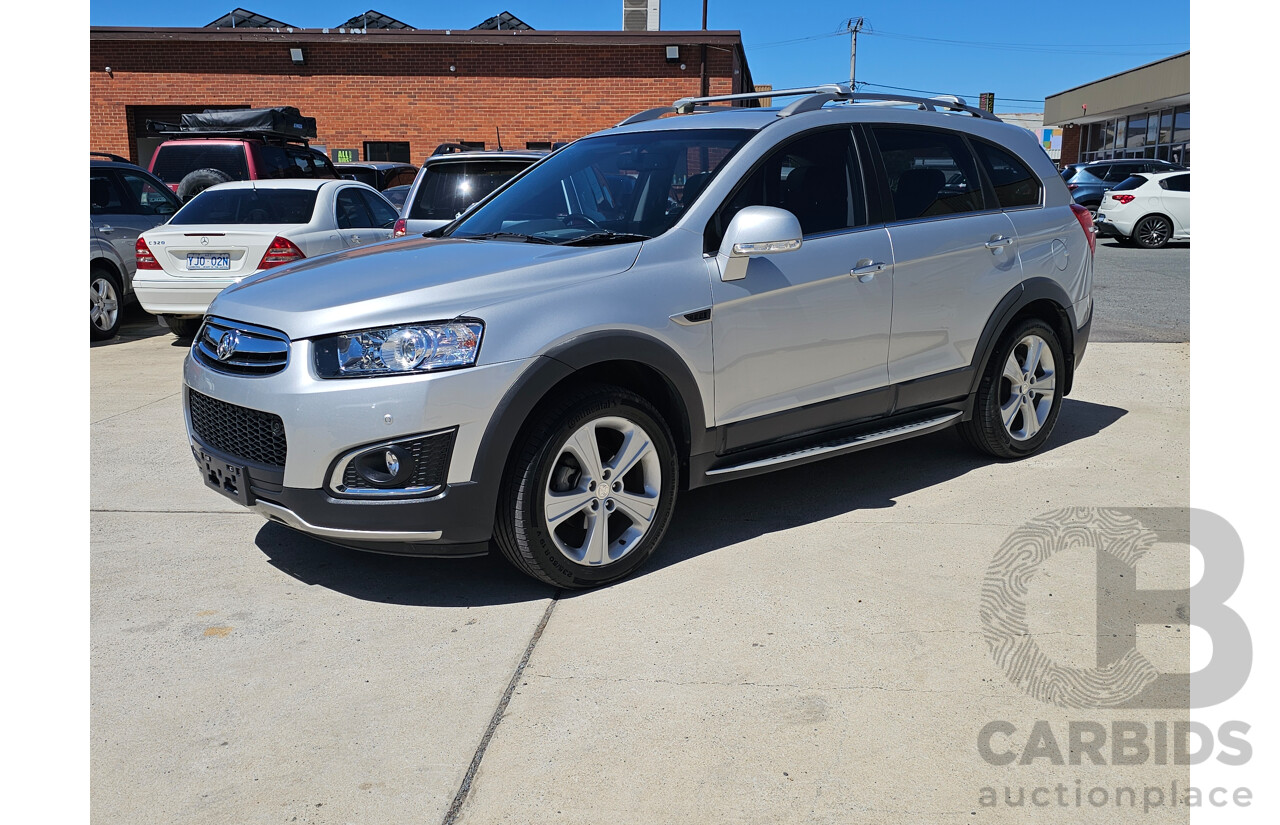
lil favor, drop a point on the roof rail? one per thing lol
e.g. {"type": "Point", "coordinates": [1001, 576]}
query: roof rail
{"type": "Point", "coordinates": [812, 98]}
{"type": "Point", "coordinates": [110, 157]}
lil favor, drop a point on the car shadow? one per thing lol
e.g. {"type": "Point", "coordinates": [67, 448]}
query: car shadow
{"type": "Point", "coordinates": [706, 519]}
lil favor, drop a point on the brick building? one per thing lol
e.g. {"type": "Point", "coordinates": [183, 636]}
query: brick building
{"type": "Point", "coordinates": [397, 93]}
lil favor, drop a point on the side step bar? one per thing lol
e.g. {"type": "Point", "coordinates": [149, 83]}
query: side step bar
{"type": "Point", "coordinates": [847, 444]}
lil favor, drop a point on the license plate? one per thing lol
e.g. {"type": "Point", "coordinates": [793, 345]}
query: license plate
{"type": "Point", "coordinates": [228, 479]}
{"type": "Point", "coordinates": [208, 260]}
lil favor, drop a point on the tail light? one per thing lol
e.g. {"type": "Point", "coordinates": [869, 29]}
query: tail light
{"type": "Point", "coordinates": [1086, 223]}
{"type": "Point", "coordinates": [1122, 198]}
{"type": "Point", "coordinates": [400, 229]}
{"type": "Point", "coordinates": [281, 251]}
{"type": "Point", "coordinates": [142, 255]}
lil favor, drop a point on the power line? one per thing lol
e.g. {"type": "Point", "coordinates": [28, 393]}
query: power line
{"type": "Point", "coordinates": [1051, 48]}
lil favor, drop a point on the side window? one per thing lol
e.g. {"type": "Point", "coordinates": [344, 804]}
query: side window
{"type": "Point", "coordinates": [148, 199]}
{"type": "Point", "coordinates": [931, 174]}
{"type": "Point", "coordinates": [274, 163]}
{"type": "Point", "coordinates": [1120, 171]}
{"type": "Point", "coordinates": [384, 215]}
{"type": "Point", "coordinates": [352, 210]}
{"type": "Point", "coordinates": [815, 177]}
{"type": "Point", "coordinates": [105, 197]}
{"type": "Point", "coordinates": [1177, 183]}
{"type": "Point", "coordinates": [1014, 183]}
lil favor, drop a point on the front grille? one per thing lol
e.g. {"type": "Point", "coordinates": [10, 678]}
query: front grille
{"type": "Point", "coordinates": [430, 455]}
{"type": "Point", "coordinates": [239, 432]}
{"type": "Point", "coordinates": [248, 350]}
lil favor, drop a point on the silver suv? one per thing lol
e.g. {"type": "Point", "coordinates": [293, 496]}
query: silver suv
{"type": "Point", "coordinates": [671, 303]}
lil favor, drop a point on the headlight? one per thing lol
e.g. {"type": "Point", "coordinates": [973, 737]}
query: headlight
{"type": "Point", "coordinates": [398, 350]}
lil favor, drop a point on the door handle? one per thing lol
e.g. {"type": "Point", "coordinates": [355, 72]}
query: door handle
{"type": "Point", "coordinates": [355, 239]}
{"type": "Point", "coordinates": [866, 269]}
{"type": "Point", "coordinates": [998, 242]}
{"type": "Point", "coordinates": [106, 229]}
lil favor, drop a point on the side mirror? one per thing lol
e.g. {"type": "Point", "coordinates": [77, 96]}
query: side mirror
{"type": "Point", "coordinates": [756, 230]}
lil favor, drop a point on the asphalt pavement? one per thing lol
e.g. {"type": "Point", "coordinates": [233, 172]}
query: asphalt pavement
{"type": "Point", "coordinates": [807, 646]}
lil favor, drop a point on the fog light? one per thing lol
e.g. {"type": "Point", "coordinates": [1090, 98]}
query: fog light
{"type": "Point", "coordinates": [385, 466]}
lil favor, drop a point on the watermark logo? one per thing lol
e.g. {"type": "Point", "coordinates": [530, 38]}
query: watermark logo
{"type": "Point", "coordinates": [1122, 678]}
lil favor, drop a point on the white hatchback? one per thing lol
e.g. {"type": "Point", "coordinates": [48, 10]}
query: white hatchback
{"type": "Point", "coordinates": [232, 230]}
{"type": "Point", "coordinates": [1149, 209]}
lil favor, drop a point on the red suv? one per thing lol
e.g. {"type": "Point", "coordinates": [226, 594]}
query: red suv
{"type": "Point", "coordinates": [197, 157]}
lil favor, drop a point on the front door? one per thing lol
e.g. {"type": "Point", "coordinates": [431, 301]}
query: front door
{"type": "Point", "coordinates": [802, 327]}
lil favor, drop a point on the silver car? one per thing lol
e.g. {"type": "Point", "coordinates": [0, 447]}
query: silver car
{"type": "Point", "coordinates": [671, 303]}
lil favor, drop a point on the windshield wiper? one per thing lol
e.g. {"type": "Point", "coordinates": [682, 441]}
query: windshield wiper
{"type": "Point", "coordinates": [605, 237]}
{"type": "Point", "coordinates": [502, 236]}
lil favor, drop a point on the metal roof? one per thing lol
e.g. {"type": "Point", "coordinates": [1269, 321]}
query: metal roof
{"type": "Point", "coordinates": [245, 19]}
{"type": "Point", "coordinates": [374, 20]}
{"type": "Point", "coordinates": [504, 22]}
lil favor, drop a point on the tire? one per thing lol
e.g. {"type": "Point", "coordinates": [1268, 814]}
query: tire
{"type": "Point", "coordinates": [199, 180]}
{"type": "Point", "coordinates": [1152, 232]}
{"type": "Point", "coordinates": [106, 304]}
{"type": "Point", "coordinates": [184, 328]}
{"type": "Point", "coordinates": [626, 515]}
{"type": "Point", "coordinates": [1013, 416]}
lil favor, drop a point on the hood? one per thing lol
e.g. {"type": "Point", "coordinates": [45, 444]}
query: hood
{"type": "Point", "coordinates": [402, 281]}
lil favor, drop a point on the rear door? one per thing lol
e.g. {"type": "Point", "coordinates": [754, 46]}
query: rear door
{"type": "Point", "coordinates": [362, 218]}
{"type": "Point", "coordinates": [955, 255]}
{"type": "Point", "coordinates": [1176, 196]}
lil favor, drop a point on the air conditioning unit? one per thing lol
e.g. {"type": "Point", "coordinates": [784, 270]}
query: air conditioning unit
{"type": "Point", "coordinates": [641, 15]}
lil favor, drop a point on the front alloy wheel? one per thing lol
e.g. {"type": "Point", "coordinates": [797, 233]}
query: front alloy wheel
{"type": "Point", "coordinates": [590, 489]}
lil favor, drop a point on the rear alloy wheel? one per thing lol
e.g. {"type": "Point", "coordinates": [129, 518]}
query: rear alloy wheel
{"type": "Point", "coordinates": [591, 490]}
{"type": "Point", "coordinates": [1152, 232]}
{"type": "Point", "coordinates": [105, 305]}
{"type": "Point", "coordinates": [1020, 395]}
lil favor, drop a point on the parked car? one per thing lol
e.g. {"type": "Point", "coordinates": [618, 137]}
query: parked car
{"type": "Point", "coordinates": [397, 195]}
{"type": "Point", "coordinates": [1149, 210]}
{"type": "Point", "coordinates": [771, 286]}
{"type": "Point", "coordinates": [238, 144]}
{"type": "Point", "coordinates": [125, 200]}
{"type": "Point", "coordinates": [233, 230]}
{"type": "Point", "coordinates": [1087, 181]}
{"type": "Point", "coordinates": [450, 182]}
{"type": "Point", "coordinates": [381, 175]}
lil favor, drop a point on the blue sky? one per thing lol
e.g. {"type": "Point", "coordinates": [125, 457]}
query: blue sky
{"type": "Point", "coordinates": [1021, 51]}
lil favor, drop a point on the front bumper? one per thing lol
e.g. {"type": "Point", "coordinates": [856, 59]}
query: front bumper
{"type": "Point", "coordinates": [324, 421]}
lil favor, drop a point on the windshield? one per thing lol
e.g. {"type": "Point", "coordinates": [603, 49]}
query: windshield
{"type": "Point", "coordinates": [614, 188]}
{"type": "Point", "coordinates": [238, 206]}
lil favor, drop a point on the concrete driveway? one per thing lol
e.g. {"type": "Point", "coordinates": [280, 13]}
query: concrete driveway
{"type": "Point", "coordinates": [805, 647]}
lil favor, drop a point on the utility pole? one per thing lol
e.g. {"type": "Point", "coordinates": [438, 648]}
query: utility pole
{"type": "Point", "coordinates": [853, 25]}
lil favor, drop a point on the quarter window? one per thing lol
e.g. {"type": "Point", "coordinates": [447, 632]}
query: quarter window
{"type": "Point", "coordinates": [147, 198]}
{"type": "Point", "coordinates": [931, 174]}
{"type": "Point", "coordinates": [1014, 183]}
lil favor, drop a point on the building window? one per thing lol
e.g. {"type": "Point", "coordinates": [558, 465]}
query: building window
{"type": "Point", "coordinates": [538, 145]}
{"type": "Point", "coordinates": [473, 145]}
{"type": "Point", "coordinates": [387, 150]}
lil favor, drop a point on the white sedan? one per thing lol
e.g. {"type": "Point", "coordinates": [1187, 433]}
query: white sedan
{"type": "Point", "coordinates": [232, 230]}
{"type": "Point", "coordinates": [1149, 209]}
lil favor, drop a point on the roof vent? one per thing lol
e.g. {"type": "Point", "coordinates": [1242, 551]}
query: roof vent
{"type": "Point", "coordinates": [641, 15]}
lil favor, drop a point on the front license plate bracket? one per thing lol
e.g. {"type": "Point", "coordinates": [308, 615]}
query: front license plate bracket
{"type": "Point", "coordinates": [229, 479]}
